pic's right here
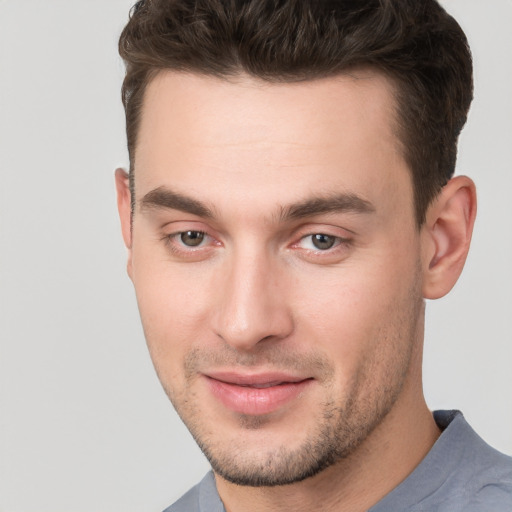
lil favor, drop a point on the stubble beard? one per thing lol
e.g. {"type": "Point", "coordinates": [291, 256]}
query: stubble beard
{"type": "Point", "coordinates": [329, 443]}
{"type": "Point", "coordinates": [342, 428]}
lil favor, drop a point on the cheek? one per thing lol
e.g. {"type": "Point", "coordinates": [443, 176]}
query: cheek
{"type": "Point", "coordinates": [173, 304]}
{"type": "Point", "coordinates": [343, 319]}
{"type": "Point", "coordinates": [359, 313]}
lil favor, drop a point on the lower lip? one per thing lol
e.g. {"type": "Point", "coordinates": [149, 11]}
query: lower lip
{"type": "Point", "coordinates": [256, 401]}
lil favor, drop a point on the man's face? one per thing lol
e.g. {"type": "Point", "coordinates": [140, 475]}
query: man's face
{"type": "Point", "coordinates": [276, 263]}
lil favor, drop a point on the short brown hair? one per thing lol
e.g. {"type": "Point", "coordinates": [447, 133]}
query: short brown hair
{"type": "Point", "coordinates": [415, 43]}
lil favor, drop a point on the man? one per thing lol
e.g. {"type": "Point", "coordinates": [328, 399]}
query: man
{"type": "Point", "coordinates": [289, 207]}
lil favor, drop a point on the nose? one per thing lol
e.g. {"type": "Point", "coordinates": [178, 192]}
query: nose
{"type": "Point", "coordinates": [252, 306]}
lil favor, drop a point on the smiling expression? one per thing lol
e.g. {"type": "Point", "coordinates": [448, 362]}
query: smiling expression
{"type": "Point", "coordinates": [276, 262]}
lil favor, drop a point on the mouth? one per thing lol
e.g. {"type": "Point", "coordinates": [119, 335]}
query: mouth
{"type": "Point", "coordinates": [261, 386]}
{"type": "Point", "coordinates": [256, 394]}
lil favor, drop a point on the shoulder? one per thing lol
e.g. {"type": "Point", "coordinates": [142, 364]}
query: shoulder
{"type": "Point", "coordinates": [478, 463]}
{"type": "Point", "coordinates": [189, 502]}
{"type": "Point", "coordinates": [461, 473]}
{"type": "Point", "coordinates": [203, 497]}
{"type": "Point", "coordinates": [489, 477]}
{"type": "Point", "coordinates": [479, 476]}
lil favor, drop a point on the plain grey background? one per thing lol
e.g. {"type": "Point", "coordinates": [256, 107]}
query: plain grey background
{"type": "Point", "coordinates": [84, 424]}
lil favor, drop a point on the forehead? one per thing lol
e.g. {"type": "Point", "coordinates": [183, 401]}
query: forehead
{"type": "Point", "coordinates": [245, 109]}
{"type": "Point", "coordinates": [333, 134]}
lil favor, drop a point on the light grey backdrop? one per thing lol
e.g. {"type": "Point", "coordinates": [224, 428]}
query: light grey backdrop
{"type": "Point", "coordinates": [84, 424]}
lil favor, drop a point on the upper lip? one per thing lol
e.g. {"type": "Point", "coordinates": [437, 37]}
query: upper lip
{"type": "Point", "coordinates": [254, 379]}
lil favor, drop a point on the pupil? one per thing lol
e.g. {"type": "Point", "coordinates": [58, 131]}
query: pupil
{"type": "Point", "coordinates": [321, 241]}
{"type": "Point", "coordinates": [192, 238]}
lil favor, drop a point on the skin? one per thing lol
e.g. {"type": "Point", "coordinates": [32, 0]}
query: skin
{"type": "Point", "coordinates": [260, 169]}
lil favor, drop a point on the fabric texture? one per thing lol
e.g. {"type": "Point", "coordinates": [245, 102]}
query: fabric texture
{"type": "Point", "coordinates": [460, 473]}
{"type": "Point", "coordinates": [203, 497]}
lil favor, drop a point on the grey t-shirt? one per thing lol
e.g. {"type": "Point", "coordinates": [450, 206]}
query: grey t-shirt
{"type": "Point", "coordinates": [461, 473]}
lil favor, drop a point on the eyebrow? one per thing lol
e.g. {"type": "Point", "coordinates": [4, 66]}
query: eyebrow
{"type": "Point", "coordinates": [337, 203]}
{"type": "Point", "coordinates": [164, 198]}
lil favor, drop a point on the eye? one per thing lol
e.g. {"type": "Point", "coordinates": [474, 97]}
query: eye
{"type": "Point", "coordinates": [319, 242]}
{"type": "Point", "coordinates": [190, 244]}
{"type": "Point", "coordinates": [192, 238]}
{"type": "Point", "coordinates": [322, 241]}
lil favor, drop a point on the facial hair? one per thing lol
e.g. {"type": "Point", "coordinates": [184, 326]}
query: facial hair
{"type": "Point", "coordinates": [343, 425]}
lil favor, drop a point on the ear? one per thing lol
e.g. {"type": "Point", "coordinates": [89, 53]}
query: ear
{"type": "Point", "coordinates": [125, 213]}
{"type": "Point", "coordinates": [446, 236]}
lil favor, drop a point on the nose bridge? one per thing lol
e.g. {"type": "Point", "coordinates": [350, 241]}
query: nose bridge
{"type": "Point", "coordinates": [251, 307]}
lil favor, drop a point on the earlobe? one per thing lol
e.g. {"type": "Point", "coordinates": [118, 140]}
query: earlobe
{"type": "Point", "coordinates": [447, 236]}
{"type": "Point", "coordinates": [124, 208]}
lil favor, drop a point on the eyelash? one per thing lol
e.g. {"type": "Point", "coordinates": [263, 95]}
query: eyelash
{"type": "Point", "coordinates": [337, 242]}
{"type": "Point", "coordinates": [177, 247]}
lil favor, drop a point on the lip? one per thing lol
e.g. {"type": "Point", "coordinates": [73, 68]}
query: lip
{"type": "Point", "coordinates": [255, 394]}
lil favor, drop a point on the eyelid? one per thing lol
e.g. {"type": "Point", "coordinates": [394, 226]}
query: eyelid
{"type": "Point", "coordinates": [177, 235]}
{"type": "Point", "coordinates": [207, 239]}
{"type": "Point", "coordinates": [170, 234]}
{"type": "Point", "coordinates": [304, 231]}
{"type": "Point", "coordinates": [337, 241]}
{"type": "Point", "coordinates": [174, 230]}
{"type": "Point", "coordinates": [181, 252]}
{"type": "Point", "coordinates": [182, 225]}
{"type": "Point", "coordinates": [338, 252]}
